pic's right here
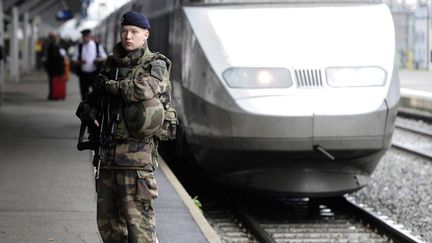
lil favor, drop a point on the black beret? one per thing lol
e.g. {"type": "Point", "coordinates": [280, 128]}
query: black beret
{"type": "Point", "coordinates": [85, 32]}
{"type": "Point", "coordinates": [136, 19]}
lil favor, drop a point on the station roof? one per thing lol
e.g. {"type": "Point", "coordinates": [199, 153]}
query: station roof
{"type": "Point", "coordinates": [46, 9]}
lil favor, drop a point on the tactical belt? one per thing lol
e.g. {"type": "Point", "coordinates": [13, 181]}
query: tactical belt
{"type": "Point", "coordinates": [147, 167]}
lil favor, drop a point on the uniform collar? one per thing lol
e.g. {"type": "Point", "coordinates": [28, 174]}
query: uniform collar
{"type": "Point", "coordinates": [123, 57]}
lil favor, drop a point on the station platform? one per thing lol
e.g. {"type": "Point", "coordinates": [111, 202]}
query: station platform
{"type": "Point", "coordinates": [47, 189]}
{"type": "Point", "coordinates": [416, 90]}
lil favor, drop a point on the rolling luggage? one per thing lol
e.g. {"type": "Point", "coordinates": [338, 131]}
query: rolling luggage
{"type": "Point", "coordinates": [58, 87]}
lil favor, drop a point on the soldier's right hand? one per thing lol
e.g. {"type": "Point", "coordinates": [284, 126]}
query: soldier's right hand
{"type": "Point", "coordinates": [88, 114]}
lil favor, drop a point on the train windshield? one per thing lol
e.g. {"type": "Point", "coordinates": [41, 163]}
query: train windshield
{"type": "Point", "coordinates": [298, 35]}
{"type": "Point", "coordinates": [284, 30]}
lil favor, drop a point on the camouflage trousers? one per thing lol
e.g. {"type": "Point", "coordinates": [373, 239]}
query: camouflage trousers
{"type": "Point", "coordinates": [124, 206]}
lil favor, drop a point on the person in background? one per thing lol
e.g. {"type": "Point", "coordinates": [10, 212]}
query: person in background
{"type": "Point", "coordinates": [1, 53]}
{"type": "Point", "coordinates": [54, 60]}
{"type": "Point", "coordinates": [86, 59]}
{"type": "Point", "coordinates": [39, 53]}
{"type": "Point", "coordinates": [2, 57]}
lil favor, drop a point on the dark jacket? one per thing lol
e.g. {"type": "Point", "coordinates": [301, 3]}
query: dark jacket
{"type": "Point", "coordinates": [54, 60]}
{"type": "Point", "coordinates": [1, 53]}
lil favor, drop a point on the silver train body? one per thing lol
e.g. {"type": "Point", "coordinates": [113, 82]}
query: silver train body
{"type": "Point", "coordinates": [290, 97]}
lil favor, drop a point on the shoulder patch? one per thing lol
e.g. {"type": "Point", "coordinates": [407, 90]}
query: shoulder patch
{"type": "Point", "coordinates": [158, 69]}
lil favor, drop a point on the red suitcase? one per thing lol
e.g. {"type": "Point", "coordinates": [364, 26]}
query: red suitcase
{"type": "Point", "coordinates": [58, 87]}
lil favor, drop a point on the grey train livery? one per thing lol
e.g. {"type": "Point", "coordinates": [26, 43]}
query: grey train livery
{"type": "Point", "coordinates": [297, 97]}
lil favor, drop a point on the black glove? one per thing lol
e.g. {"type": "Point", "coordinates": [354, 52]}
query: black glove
{"type": "Point", "coordinates": [100, 83]}
{"type": "Point", "coordinates": [105, 85]}
{"type": "Point", "coordinates": [87, 113]}
{"type": "Point", "coordinates": [112, 87]}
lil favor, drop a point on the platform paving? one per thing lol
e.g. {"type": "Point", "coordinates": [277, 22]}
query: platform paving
{"type": "Point", "coordinates": [420, 80]}
{"type": "Point", "coordinates": [47, 189]}
{"type": "Point", "coordinates": [416, 89]}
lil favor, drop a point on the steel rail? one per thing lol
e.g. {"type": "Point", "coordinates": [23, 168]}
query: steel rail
{"type": "Point", "coordinates": [425, 116]}
{"type": "Point", "coordinates": [346, 203]}
{"type": "Point", "coordinates": [411, 150]}
{"type": "Point", "coordinates": [393, 231]}
{"type": "Point", "coordinates": [255, 228]}
{"type": "Point", "coordinates": [417, 114]}
{"type": "Point", "coordinates": [417, 130]}
{"type": "Point", "coordinates": [344, 206]}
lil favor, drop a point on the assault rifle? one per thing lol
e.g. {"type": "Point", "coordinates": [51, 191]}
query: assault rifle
{"type": "Point", "coordinates": [102, 131]}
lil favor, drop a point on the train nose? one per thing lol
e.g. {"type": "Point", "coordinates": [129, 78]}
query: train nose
{"type": "Point", "coordinates": [303, 122]}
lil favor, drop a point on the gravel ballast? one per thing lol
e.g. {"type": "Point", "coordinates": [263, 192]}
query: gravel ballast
{"type": "Point", "coordinates": [401, 189]}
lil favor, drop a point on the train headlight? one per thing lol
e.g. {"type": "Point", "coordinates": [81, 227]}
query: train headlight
{"type": "Point", "coordinates": [355, 76]}
{"type": "Point", "coordinates": [258, 78]}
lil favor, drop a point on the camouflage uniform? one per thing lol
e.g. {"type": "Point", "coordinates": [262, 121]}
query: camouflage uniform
{"type": "Point", "coordinates": [127, 185]}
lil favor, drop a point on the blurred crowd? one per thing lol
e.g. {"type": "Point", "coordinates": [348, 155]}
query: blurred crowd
{"type": "Point", "coordinates": [59, 57]}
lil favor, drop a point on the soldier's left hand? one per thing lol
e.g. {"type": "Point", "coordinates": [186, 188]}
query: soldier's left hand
{"type": "Point", "coordinates": [112, 87]}
{"type": "Point", "coordinates": [101, 82]}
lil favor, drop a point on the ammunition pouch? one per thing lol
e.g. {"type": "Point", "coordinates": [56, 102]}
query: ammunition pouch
{"type": "Point", "coordinates": [146, 186]}
{"type": "Point", "coordinates": [169, 126]}
{"type": "Point", "coordinates": [143, 119]}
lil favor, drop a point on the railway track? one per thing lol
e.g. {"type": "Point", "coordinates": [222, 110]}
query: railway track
{"type": "Point", "coordinates": [414, 151]}
{"type": "Point", "coordinates": [301, 220]}
{"type": "Point", "coordinates": [425, 135]}
{"type": "Point", "coordinates": [415, 114]}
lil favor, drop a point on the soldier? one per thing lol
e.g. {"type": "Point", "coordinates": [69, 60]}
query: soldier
{"type": "Point", "coordinates": [129, 108]}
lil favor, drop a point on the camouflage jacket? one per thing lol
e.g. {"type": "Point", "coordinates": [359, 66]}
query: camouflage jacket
{"type": "Point", "coordinates": [133, 82]}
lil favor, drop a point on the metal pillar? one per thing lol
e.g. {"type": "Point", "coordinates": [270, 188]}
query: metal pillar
{"type": "Point", "coordinates": [14, 52]}
{"type": "Point", "coordinates": [33, 39]}
{"type": "Point", "coordinates": [26, 42]}
{"type": "Point", "coordinates": [427, 35]}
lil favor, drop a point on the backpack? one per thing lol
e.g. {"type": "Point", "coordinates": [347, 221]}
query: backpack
{"type": "Point", "coordinates": [168, 129]}
{"type": "Point", "coordinates": [154, 116]}
{"type": "Point", "coordinates": [80, 46]}
{"type": "Point", "coordinates": [77, 68]}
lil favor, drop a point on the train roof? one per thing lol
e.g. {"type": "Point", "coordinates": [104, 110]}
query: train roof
{"type": "Point", "coordinates": [283, 1]}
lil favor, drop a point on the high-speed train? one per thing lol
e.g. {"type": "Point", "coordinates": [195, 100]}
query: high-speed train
{"type": "Point", "coordinates": [297, 97]}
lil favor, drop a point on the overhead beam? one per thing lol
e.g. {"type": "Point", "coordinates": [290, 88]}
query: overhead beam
{"type": "Point", "coordinates": [7, 5]}
{"type": "Point", "coordinates": [26, 6]}
{"type": "Point", "coordinates": [42, 7]}
{"type": "Point", "coordinates": [74, 6]}
{"type": "Point", "coordinates": [50, 16]}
